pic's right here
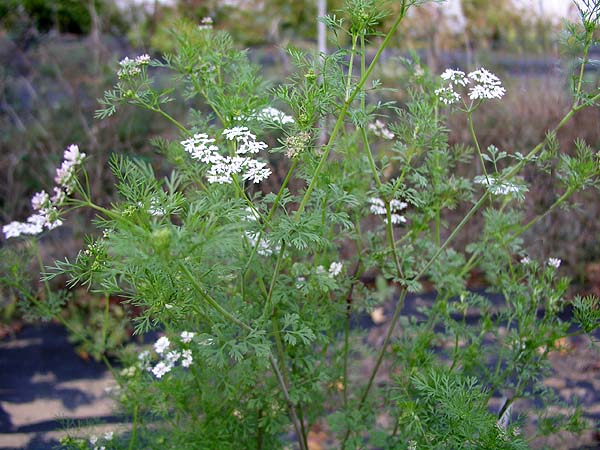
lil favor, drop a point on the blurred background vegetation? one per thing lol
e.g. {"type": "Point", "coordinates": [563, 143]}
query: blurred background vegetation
{"type": "Point", "coordinates": [58, 56]}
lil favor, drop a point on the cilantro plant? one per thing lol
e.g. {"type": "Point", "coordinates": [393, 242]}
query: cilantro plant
{"type": "Point", "coordinates": [249, 256]}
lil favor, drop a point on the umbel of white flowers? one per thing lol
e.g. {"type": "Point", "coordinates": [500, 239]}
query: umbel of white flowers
{"type": "Point", "coordinates": [48, 206]}
{"type": "Point", "coordinates": [482, 84]}
{"type": "Point", "coordinates": [377, 206]}
{"type": "Point", "coordinates": [222, 168]}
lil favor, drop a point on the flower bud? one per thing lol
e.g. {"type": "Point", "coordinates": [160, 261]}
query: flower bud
{"type": "Point", "coordinates": [161, 239]}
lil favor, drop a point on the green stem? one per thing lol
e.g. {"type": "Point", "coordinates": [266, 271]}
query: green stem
{"type": "Point", "coordinates": [171, 119]}
{"type": "Point", "coordinates": [267, 305]}
{"type": "Point", "coordinates": [134, 427]}
{"type": "Point", "coordinates": [350, 67]}
{"type": "Point", "coordinates": [270, 215]}
{"type": "Point", "coordinates": [450, 238]}
{"type": "Point", "coordinates": [346, 352]}
{"type": "Point", "coordinates": [355, 275]}
{"type": "Point", "coordinates": [388, 212]}
{"type": "Point", "coordinates": [566, 118]}
{"type": "Point", "coordinates": [363, 69]}
{"type": "Point", "coordinates": [456, 343]}
{"type": "Point", "coordinates": [209, 102]}
{"type": "Point", "coordinates": [438, 231]}
{"type": "Point", "coordinates": [242, 192]}
{"type": "Point", "coordinates": [277, 334]}
{"type": "Point", "coordinates": [528, 225]}
{"type": "Point", "coordinates": [380, 357]}
{"type": "Point", "coordinates": [386, 340]}
{"type": "Point", "coordinates": [290, 404]}
{"type": "Point", "coordinates": [211, 301]}
{"type": "Point", "coordinates": [340, 120]}
{"type": "Point", "coordinates": [584, 60]}
{"type": "Point", "coordinates": [476, 142]}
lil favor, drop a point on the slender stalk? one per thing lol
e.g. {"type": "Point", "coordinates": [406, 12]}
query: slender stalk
{"type": "Point", "coordinates": [363, 68]}
{"type": "Point", "coordinates": [340, 120]}
{"type": "Point", "coordinates": [270, 215]}
{"type": "Point", "coordinates": [243, 194]}
{"type": "Point", "coordinates": [133, 437]}
{"type": "Point", "coordinates": [166, 115]}
{"type": "Point", "coordinates": [259, 434]}
{"type": "Point", "coordinates": [380, 357]}
{"type": "Point", "coordinates": [357, 270]}
{"type": "Point", "coordinates": [454, 233]}
{"type": "Point", "coordinates": [350, 67]}
{"type": "Point", "coordinates": [386, 340]}
{"type": "Point", "coordinates": [292, 409]}
{"type": "Point", "coordinates": [208, 100]}
{"type": "Point", "coordinates": [267, 304]}
{"type": "Point", "coordinates": [476, 142]}
{"type": "Point", "coordinates": [211, 301]}
{"type": "Point", "coordinates": [584, 60]}
{"type": "Point", "coordinates": [438, 227]}
{"type": "Point", "coordinates": [277, 333]}
{"type": "Point", "coordinates": [226, 314]}
{"type": "Point", "coordinates": [539, 217]}
{"type": "Point", "coordinates": [388, 212]}
{"type": "Point", "coordinates": [346, 352]}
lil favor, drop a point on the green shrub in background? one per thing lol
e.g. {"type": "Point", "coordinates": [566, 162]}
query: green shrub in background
{"type": "Point", "coordinates": [253, 288]}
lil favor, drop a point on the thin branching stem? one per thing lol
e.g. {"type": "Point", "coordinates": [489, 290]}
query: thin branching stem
{"type": "Point", "coordinates": [211, 301]}
{"type": "Point", "coordinates": [341, 116]}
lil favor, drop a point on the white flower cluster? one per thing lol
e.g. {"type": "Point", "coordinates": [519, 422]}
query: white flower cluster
{"type": "Point", "coordinates": [168, 357]}
{"type": "Point", "coordinates": [107, 437]}
{"type": "Point", "coordinates": [554, 262]}
{"type": "Point", "coordinates": [483, 85]}
{"type": "Point", "coordinates": [487, 85]}
{"type": "Point", "coordinates": [187, 336]}
{"type": "Point", "coordinates": [270, 114]}
{"type": "Point", "coordinates": [379, 129]}
{"type": "Point", "coordinates": [378, 207]}
{"type": "Point", "coordinates": [497, 187]}
{"type": "Point", "coordinates": [154, 209]}
{"type": "Point", "coordinates": [206, 24]}
{"type": "Point", "coordinates": [47, 207]}
{"type": "Point", "coordinates": [264, 248]}
{"type": "Point", "coordinates": [222, 168]}
{"type": "Point", "coordinates": [65, 174]}
{"type": "Point", "coordinates": [129, 68]}
{"type": "Point", "coordinates": [335, 268]}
